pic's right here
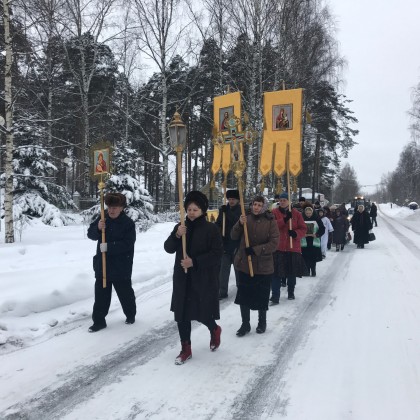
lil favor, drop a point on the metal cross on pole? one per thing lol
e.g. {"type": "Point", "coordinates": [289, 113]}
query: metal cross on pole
{"type": "Point", "coordinates": [236, 140]}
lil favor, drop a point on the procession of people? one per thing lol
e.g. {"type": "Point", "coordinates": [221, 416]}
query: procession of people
{"type": "Point", "coordinates": [268, 249]}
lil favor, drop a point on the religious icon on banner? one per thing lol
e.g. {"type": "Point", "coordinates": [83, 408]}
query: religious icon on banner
{"type": "Point", "coordinates": [224, 116]}
{"type": "Point", "coordinates": [282, 117]}
{"type": "Point", "coordinates": [101, 161]}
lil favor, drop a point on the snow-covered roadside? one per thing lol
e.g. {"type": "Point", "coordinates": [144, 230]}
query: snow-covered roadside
{"type": "Point", "coordinates": [47, 279]}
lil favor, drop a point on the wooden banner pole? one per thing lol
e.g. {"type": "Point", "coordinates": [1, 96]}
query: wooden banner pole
{"type": "Point", "coordinates": [288, 190]}
{"type": "Point", "coordinates": [101, 187]}
{"type": "Point", "coordinates": [181, 202]}
{"type": "Point", "coordinates": [241, 199]}
{"type": "Point", "coordinates": [225, 203]}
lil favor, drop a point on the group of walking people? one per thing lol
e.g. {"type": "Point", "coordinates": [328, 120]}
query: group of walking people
{"type": "Point", "coordinates": [268, 250]}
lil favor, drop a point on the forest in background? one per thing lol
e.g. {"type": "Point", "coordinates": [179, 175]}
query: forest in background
{"type": "Point", "coordinates": [86, 71]}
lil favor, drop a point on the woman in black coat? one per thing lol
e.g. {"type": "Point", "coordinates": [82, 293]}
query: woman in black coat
{"type": "Point", "coordinates": [361, 225]}
{"type": "Point", "coordinates": [195, 293]}
{"type": "Point", "coordinates": [311, 243]}
{"type": "Point", "coordinates": [341, 226]}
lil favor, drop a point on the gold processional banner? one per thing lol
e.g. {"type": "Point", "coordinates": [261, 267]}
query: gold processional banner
{"type": "Point", "coordinates": [224, 107]}
{"type": "Point", "coordinates": [282, 125]}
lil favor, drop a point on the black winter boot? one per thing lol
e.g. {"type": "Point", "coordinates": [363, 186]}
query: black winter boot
{"type": "Point", "coordinates": [262, 322]}
{"type": "Point", "coordinates": [246, 326]}
{"type": "Point", "coordinates": [291, 294]}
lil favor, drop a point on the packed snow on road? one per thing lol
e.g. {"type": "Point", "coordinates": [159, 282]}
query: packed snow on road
{"type": "Point", "coordinates": [346, 348]}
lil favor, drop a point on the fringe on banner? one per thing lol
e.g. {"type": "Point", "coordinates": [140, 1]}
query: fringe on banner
{"type": "Point", "coordinates": [279, 186]}
{"type": "Point", "coordinates": [262, 185]}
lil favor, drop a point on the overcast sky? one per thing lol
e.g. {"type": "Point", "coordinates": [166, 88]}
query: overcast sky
{"type": "Point", "coordinates": [380, 40]}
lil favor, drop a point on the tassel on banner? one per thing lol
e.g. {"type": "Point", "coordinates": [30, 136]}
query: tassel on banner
{"type": "Point", "coordinates": [295, 186]}
{"type": "Point", "coordinates": [262, 185]}
{"type": "Point", "coordinates": [279, 186]}
{"type": "Point", "coordinates": [212, 184]}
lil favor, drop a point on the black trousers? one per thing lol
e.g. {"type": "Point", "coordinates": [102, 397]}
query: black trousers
{"type": "Point", "coordinates": [125, 295]}
{"type": "Point", "coordinates": [184, 329]}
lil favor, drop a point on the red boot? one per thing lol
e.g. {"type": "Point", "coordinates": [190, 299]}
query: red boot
{"type": "Point", "coordinates": [215, 338]}
{"type": "Point", "coordinates": [185, 353]}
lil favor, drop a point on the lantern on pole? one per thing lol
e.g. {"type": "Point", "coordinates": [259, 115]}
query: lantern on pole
{"type": "Point", "coordinates": [178, 138]}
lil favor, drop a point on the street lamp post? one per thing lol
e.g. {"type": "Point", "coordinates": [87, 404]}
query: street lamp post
{"type": "Point", "coordinates": [178, 137]}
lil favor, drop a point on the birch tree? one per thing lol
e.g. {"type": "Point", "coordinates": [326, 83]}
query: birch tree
{"type": "Point", "coordinates": [160, 32]}
{"type": "Point", "coordinates": [8, 103]}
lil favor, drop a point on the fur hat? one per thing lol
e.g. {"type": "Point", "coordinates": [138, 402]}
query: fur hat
{"type": "Point", "coordinates": [198, 198]}
{"type": "Point", "coordinates": [232, 194]}
{"type": "Point", "coordinates": [115, 200]}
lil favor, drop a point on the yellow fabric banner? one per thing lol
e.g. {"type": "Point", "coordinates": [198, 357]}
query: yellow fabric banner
{"type": "Point", "coordinates": [224, 107]}
{"type": "Point", "coordinates": [282, 125]}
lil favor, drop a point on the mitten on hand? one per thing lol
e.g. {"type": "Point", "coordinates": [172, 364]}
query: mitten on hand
{"type": "Point", "coordinates": [249, 251]}
{"type": "Point", "coordinates": [292, 234]}
{"type": "Point", "coordinates": [103, 246]}
{"type": "Point", "coordinates": [223, 208]}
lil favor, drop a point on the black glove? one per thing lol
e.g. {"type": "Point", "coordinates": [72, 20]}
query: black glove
{"type": "Point", "coordinates": [292, 234]}
{"type": "Point", "coordinates": [249, 251]}
{"type": "Point", "coordinates": [223, 209]}
{"type": "Point", "coordinates": [288, 215]}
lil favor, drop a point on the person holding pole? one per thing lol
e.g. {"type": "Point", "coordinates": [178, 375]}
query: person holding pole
{"type": "Point", "coordinates": [230, 213]}
{"type": "Point", "coordinates": [119, 250]}
{"type": "Point", "coordinates": [195, 294]}
{"type": "Point", "coordinates": [254, 287]}
{"type": "Point", "coordinates": [288, 260]}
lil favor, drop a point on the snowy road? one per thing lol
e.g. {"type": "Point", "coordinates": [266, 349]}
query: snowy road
{"type": "Point", "coordinates": [346, 348]}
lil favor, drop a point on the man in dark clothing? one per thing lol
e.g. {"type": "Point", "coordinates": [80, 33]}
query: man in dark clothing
{"type": "Point", "coordinates": [373, 213]}
{"type": "Point", "coordinates": [119, 247]}
{"type": "Point", "coordinates": [232, 212]}
{"type": "Point", "coordinates": [302, 201]}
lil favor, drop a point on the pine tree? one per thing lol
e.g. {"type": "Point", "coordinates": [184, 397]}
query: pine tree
{"type": "Point", "coordinates": [35, 194]}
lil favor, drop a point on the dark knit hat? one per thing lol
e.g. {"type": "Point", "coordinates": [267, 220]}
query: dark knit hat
{"type": "Point", "coordinates": [284, 195]}
{"type": "Point", "coordinates": [232, 194]}
{"type": "Point", "coordinates": [198, 198]}
{"type": "Point", "coordinates": [115, 200]}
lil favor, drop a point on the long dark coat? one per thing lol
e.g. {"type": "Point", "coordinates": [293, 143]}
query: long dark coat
{"type": "Point", "coordinates": [263, 234]}
{"type": "Point", "coordinates": [195, 295]}
{"type": "Point", "coordinates": [373, 210]}
{"type": "Point", "coordinates": [341, 226]}
{"type": "Point", "coordinates": [120, 235]}
{"type": "Point", "coordinates": [231, 217]}
{"type": "Point", "coordinates": [361, 225]}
